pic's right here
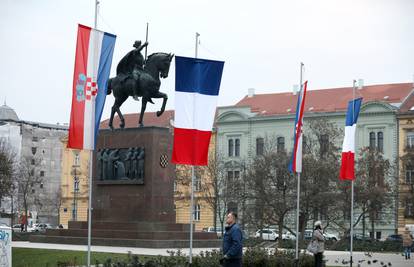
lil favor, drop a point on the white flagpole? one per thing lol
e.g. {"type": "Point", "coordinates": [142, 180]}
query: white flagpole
{"type": "Point", "coordinates": [298, 188]}
{"type": "Point", "coordinates": [192, 184]}
{"type": "Point", "coordinates": [90, 170]}
{"type": "Point", "coordinates": [352, 186]}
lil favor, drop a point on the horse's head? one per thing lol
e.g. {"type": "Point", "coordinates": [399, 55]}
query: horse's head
{"type": "Point", "coordinates": [162, 62]}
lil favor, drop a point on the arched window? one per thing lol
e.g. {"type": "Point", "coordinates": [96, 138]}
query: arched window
{"type": "Point", "coordinates": [380, 139]}
{"type": "Point", "coordinates": [372, 140]}
{"type": "Point", "coordinates": [237, 148]}
{"type": "Point", "coordinates": [231, 147]}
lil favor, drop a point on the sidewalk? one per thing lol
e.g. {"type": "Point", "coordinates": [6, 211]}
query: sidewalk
{"type": "Point", "coordinates": [334, 258]}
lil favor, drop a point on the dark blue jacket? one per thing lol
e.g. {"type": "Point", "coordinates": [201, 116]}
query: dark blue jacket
{"type": "Point", "coordinates": [232, 242]}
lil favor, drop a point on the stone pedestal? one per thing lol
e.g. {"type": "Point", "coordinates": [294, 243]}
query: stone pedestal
{"type": "Point", "coordinates": [134, 213]}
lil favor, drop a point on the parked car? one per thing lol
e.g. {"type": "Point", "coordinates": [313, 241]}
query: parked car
{"type": "Point", "coordinates": [395, 238]}
{"type": "Point", "coordinates": [18, 228]}
{"type": "Point", "coordinates": [290, 236]}
{"type": "Point", "coordinates": [329, 236]}
{"type": "Point", "coordinates": [41, 227]}
{"type": "Point", "coordinates": [267, 234]}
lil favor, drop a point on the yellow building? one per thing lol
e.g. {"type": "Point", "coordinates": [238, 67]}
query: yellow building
{"type": "Point", "coordinates": [74, 185]}
{"type": "Point", "coordinates": [406, 166]}
{"type": "Point", "coordinates": [203, 215]}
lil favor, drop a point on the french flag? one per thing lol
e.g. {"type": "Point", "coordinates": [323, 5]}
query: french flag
{"type": "Point", "coordinates": [348, 148]}
{"type": "Point", "coordinates": [197, 85]}
{"type": "Point", "coordinates": [295, 165]}
{"type": "Point", "coordinates": [94, 51]}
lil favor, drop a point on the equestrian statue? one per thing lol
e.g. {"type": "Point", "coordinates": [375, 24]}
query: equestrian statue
{"type": "Point", "coordinates": [139, 78]}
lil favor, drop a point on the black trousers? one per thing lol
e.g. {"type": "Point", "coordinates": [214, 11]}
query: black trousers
{"type": "Point", "coordinates": [318, 259]}
{"type": "Point", "coordinates": [233, 263]}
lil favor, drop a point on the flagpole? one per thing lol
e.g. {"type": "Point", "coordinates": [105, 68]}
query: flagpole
{"type": "Point", "coordinates": [352, 186]}
{"type": "Point", "coordinates": [146, 40]}
{"type": "Point", "coordinates": [192, 185]}
{"type": "Point", "coordinates": [298, 189]}
{"type": "Point", "coordinates": [90, 171]}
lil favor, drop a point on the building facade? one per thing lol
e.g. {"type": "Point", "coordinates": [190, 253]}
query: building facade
{"type": "Point", "coordinates": [74, 185]}
{"type": "Point", "coordinates": [38, 143]}
{"type": "Point", "coordinates": [406, 166]}
{"type": "Point", "coordinates": [241, 128]}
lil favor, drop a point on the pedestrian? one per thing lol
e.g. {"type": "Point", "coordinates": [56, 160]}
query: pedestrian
{"type": "Point", "coordinates": [232, 243]}
{"type": "Point", "coordinates": [21, 227]}
{"type": "Point", "coordinates": [319, 238]}
{"type": "Point", "coordinates": [407, 242]}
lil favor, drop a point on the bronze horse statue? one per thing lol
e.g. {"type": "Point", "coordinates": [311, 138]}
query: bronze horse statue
{"type": "Point", "coordinates": [143, 83]}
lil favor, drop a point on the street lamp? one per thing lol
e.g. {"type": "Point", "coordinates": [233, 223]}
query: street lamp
{"type": "Point", "coordinates": [75, 193]}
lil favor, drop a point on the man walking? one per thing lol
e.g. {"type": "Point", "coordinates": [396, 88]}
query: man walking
{"type": "Point", "coordinates": [232, 243]}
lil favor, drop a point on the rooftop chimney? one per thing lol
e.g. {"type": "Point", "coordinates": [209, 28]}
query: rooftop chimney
{"type": "Point", "coordinates": [360, 83]}
{"type": "Point", "coordinates": [250, 92]}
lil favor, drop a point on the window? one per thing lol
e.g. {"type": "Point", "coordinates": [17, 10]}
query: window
{"type": "Point", "coordinates": [372, 140]}
{"type": "Point", "coordinates": [76, 160]}
{"type": "Point", "coordinates": [234, 147]}
{"type": "Point", "coordinates": [34, 149]}
{"type": "Point", "coordinates": [35, 139]}
{"type": "Point", "coordinates": [410, 140]}
{"type": "Point", "coordinates": [33, 161]}
{"type": "Point", "coordinates": [231, 148]}
{"type": "Point", "coordinates": [259, 146]}
{"type": "Point", "coordinates": [41, 185]}
{"type": "Point", "coordinates": [380, 138]}
{"type": "Point", "coordinates": [409, 174]}
{"type": "Point", "coordinates": [32, 172]}
{"type": "Point", "coordinates": [197, 182]}
{"type": "Point", "coordinates": [197, 212]}
{"type": "Point", "coordinates": [324, 143]}
{"type": "Point", "coordinates": [280, 144]}
{"type": "Point", "coordinates": [42, 173]}
{"type": "Point", "coordinates": [237, 148]}
{"type": "Point", "coordinates": [232, 175]}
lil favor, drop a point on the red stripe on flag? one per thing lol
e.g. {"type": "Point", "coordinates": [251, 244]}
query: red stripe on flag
{"type": "Point", "coordinates": [191, 146]}
{"type": "Point", "coordinates": [78, 97]}
{"type": "Point", "coordinates": [347, 167]}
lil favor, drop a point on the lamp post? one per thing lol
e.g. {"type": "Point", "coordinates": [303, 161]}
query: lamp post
{"type": "Point", "coordinates": [75, 194]}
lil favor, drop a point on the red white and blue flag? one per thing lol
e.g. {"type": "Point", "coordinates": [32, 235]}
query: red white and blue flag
{"type": "Point", "coordinates": [295, 165]}
{"type": "Point", "coordinates": [197, 85]}
{"type": "Point", "coordinates": [348, 148]}
{"type": "Point", "coordinates": [94, 50]}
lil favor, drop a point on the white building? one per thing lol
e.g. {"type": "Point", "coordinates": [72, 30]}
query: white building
{"type": "Point", "coordinates": [43, 141]}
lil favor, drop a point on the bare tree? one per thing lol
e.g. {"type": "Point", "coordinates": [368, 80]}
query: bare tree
{"type": "Point", "coordinates": [7, 169]}
{"type": "Point", "coordinates": [271, 186]}
{"type": "Point", "coordinates": [372, 190]}
{"type": "Point", "coordinates": [27, 179]}
{"type": "Point", "coordinates": [319, 179]}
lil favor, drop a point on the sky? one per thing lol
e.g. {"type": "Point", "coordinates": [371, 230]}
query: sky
{"type": "Point", "coordinates": [262, 43]}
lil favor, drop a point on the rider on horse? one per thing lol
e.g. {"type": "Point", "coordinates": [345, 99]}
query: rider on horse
{"type": "Point", "coordinates": [132, 64]}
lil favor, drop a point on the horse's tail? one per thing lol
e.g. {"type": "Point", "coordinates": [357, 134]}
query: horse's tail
{"type": "Point", "coordinates": [109, 87]}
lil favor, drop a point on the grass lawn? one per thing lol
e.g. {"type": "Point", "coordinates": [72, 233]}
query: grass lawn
{"type": "Point", "coordinates": [28, 257]}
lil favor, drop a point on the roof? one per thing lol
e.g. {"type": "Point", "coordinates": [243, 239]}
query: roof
{"type": "Point", "coordinates": [7, 113]}
{"type": "Point", "coordinates": [327, 100]}
{"type": "Point", "coordinates": [150, 119]}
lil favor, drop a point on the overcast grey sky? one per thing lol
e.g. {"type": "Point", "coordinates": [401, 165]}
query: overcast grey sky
{"type": "Point", "coordinates": [262, 43]}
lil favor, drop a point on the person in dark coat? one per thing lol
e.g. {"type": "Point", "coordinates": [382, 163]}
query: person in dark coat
{"type": "Point", "coordinates": [232, 243]}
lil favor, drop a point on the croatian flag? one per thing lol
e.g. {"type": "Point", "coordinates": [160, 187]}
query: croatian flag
{"type": "Point", "coordinates": [295, 165]}
{"type": "Point", "coordinates": [197, 84]}
{"type": "Point", "coordinates": [94, 50]}
{"type": "Point", "coordinates": [348, 148]}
